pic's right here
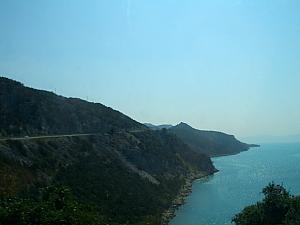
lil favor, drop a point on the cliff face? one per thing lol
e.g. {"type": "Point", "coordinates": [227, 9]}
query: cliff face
{"type": "Point", "coordinates": [131, 173]}
{"type": "Point", "coordinates": [211, 143]}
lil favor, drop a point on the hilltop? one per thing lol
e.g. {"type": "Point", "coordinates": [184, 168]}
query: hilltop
{"type": "Point", "coordinates": [211, 143]}
{"type": "Point", "coordinates": [131, 173]}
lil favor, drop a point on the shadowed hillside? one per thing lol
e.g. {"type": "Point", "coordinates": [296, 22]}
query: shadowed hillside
{"type": "Point", "coordinates": [212, 143]}
{"type": "Point", "coordinates": [27, 111]}
{"type": "Point", "coordinates": [129, 172]}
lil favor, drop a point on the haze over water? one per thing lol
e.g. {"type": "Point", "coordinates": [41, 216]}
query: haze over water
{"type": "Point", "coordinates": [215, 200]}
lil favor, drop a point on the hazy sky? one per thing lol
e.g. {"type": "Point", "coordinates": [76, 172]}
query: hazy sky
{"type": "Point", "coordinates": [229, 65]}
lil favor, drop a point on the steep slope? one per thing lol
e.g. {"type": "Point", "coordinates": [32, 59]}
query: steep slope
{"type": "Point", "coordinates": [27, 111]}
{"type": "Point", "coordinates": [212, 143]}
{"type": "Point", "coordinates": [131, 173]}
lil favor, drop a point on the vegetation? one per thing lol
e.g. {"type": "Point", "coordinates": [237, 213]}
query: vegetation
{"type": "Point", "coordinates": [98, 170]}
{"type": "Point", "coordinates": [53, 206]}
{"type": "Point", "coordinates": [211, 143]}
{"type": "Point", "coordinates": [26, 112]}
{"type": "Point", "coordinates": [278, 207]}
{"type": "Point", "coordinates": [130, 173]}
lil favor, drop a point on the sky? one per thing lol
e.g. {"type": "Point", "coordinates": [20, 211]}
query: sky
{"type": "Point", "coordinates": [227, 65]}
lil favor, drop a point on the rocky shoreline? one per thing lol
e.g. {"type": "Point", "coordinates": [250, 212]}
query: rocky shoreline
{"type": "Point", "coordinates": [170, 213]}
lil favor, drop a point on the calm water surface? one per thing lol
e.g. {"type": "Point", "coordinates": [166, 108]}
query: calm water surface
{"type": "Point", "coordinates": [216, 199]}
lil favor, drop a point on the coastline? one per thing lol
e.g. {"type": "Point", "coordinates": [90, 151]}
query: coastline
{"type": "Point", "coordinates": [179, 200]}
{"type": "Point", "coordinates": [186, 190]}
{"type": "Point", "coordinates": [229, 154]}
{"type": "Point", "coordinates": [235, 153]}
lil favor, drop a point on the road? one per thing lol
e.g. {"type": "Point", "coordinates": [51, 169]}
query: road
{"type": "Point", "coordinates": [45, 136]}
{"type": "Point", "coordinates": [58, 136]}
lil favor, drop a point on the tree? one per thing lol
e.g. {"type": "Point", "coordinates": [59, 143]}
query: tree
{"type": "Point", "coordinates": [277, 208]}
{"type": "Point", "coordinates": [54, 206]}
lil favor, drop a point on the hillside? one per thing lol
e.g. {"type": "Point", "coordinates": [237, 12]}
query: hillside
{"type": "Point", "coordinates": [27, 111]}
{"type": "Point", "coordinates": [212, 143]}
{"type": "Point", "coordinates": [129, 172]}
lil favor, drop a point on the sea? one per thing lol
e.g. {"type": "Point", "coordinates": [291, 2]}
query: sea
{"type": "Point", "coordinates": [216, 199]}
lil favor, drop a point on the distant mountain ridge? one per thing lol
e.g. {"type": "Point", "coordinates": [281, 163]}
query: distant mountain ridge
{"type": "Point", "coordinates": [158, 127]}
{"type": "Point", "coordinates": [211, 143]}
{"type": "Point", "coordinates": [130, 172]}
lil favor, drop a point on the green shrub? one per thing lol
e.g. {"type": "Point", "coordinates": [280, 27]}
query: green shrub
{"type": "Point", "coordinates": [278, 207]}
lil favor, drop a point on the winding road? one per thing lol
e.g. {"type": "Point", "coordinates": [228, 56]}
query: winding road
{"type": "Point", "coordinates": [45, 136]}
{"type": "Point", "coordinates": [57, 136]}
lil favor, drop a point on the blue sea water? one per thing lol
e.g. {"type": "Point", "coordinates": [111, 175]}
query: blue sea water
{"type": "Point", "coordinates": [216, 199]}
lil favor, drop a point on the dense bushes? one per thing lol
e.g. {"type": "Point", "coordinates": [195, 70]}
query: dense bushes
{"type": "Point", "coordinates": [53, 206]}
{"type": "Point", "coordinates": [278, 207]}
